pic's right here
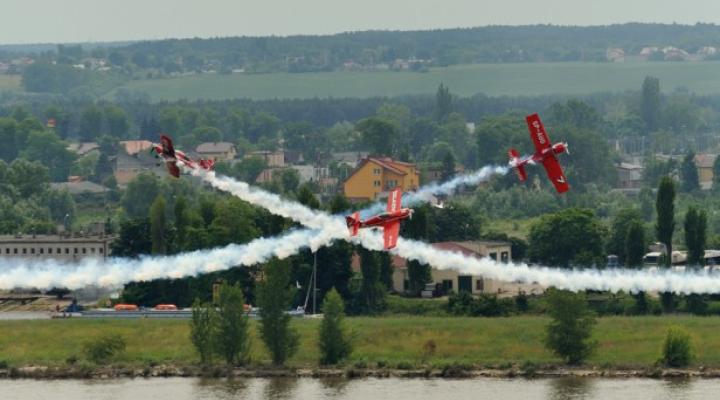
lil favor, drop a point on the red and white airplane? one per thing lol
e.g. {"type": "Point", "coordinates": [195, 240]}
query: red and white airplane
{"type": "Point", "coordinates": [171, 156]}
{"type": "Point", "coordinates": [545, 153]}
{"type": "Point", "coordinates": [389, 220]}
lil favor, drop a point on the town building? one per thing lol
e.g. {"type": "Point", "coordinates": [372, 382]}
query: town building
{"type": "Point", "coordinates": [375, 176]}
{"type": "Point", "coordinates": [273, 159]}
{"type": "Point", "coordinates": [83, 148]}
{"type": "Point", "coordinates": [629, 175]}
{"type": "Point", "coordinates": [68, 248]}
{"type": "Point", "coordinates": [217, 151]}
{"type": "Point", "coordinates": [704, 164]}
{"type": "Point", "coordinates": [134, 158]}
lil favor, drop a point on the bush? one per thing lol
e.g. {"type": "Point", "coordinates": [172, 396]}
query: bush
{"type": "Point", "coordinates": [104, 348]}
{"type": "Point", "coordinates": [568, 334]}
{"type": "Point", "coordinates": [4, 364]}
{"type": "Point", "coordinates": [486, 305]}
{"type": "Point", "coordinates": [677, 350]}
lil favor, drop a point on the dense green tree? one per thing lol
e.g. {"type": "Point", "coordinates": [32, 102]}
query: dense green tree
{"type": "Point", "coordinates": [306, 197]}
{"type": "Point", "coordinates": [619, 233]}
{"type": "Point", "coordinates": [232, 336]}
{"type": "Point", "coordinates": [634, 244]}
{"type": "Point", "coordinates": [333, 339]}
{"type": "Point", "coordinates": [570, 330]}
{"type": "Point", "coordinates": [448, 167]}
{"type": "Point", "coordinates": [443, 103]}
{"type": "Point", "coordinates": [665, 208]}
{"type": "Point", "coordinates": [117, 121]}
{"type": "Point", "coordinates": [202, 330]}
{"type": "Point", "coordinates": [689, 172]}
{"type": "Point", "coordinates": [91, 123]}
{"type": "Point", "coordinates": [28, 178]}
{"type": "Point", "coordinates": [371, 294]}
{"type": "Point", "coordinates": [134, 238]}
{"type": "Point", "coordinates": [232, 223]}
{"type": "Point", "coordinates": [378, 135]}
{"type": "Point", "coordinates": [554, 240]}
{"type": "Point", "coordinates": [455, 222]}
{"type": "Point", "coordinates": [139, 195]}
{"type": "Point", "coordinates": [650, 102]}
{"type": "Point", "coordinates": [695, 236]}
{"type": "Point", "coordinates": [386, 270]}
{"type": "Point", "coordinates": [275, 298]}
{"type": "Point", "coordinates": [47, 148]}
{"type": "Point", "coordinates": [158, 226]}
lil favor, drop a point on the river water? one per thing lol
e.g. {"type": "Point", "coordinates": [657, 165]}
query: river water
{"type": "Point", "coordinates": [374, 389]}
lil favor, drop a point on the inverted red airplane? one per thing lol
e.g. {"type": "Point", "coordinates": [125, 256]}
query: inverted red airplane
{"type": "Point", "coordinates": [171, 156]}
{"type": "Point", "coordinates": [389, 220]}
{"type": "Point", "coordinates": [545, 153]}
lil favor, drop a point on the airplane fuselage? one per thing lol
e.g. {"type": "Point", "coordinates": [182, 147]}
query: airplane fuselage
{"type": "Point", "coordinates": [386, 218]}
{"type": "Point", "coordinates": [538, 157]}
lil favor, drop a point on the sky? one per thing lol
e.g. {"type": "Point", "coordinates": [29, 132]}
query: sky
{"type": "Point", "coordinates": [67, 21]}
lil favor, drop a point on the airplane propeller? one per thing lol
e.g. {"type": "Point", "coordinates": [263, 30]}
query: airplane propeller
{"type": "Point", "coordinates": [567, 148]}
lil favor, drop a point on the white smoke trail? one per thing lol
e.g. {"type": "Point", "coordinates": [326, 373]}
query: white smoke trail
{"type": "Point", "coordinates": [427, 192]}
{"type": "Point", "coordinates": [576, 280]}
{"type": "Point", "coordinates": [118, 271]}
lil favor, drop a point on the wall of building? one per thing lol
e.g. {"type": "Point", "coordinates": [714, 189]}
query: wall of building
{"type": "Point", "coordinates": [51, 247]}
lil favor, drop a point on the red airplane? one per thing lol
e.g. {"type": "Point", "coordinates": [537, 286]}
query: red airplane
{"type": "Point", "coordinates": [171, 156]}
{"type": "Point", "coordinates": [545, 153]}
{"type": "Point", "coordinates": [389, 220]}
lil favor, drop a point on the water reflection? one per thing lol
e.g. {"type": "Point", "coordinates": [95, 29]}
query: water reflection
{"type": "Point", "coordinates": [222, 388]}
{"type": "Point", "coordinates": [571, 388]}
{"type": "Point", "coordinates": [280, 388]}
{"type": "Point", "coordinates": [678, 388]}
{"type": "Point", "coordinates": [334, 387]}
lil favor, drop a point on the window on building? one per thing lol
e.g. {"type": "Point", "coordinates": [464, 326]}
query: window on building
{"type": "Point", "coordinates": [84, 250]}
{"type": "Point", "coordinates": [391, 184]}
{"type": "Point", "coordinates": [42, 251]}
{"type": "Point", "coordinates": [479, 285]}
{"type": "Point", "coordinates": [92, 250]}
{"type": "Point", "coordinates": [447, 285]}
{"type": "Point", "coordinates": [493, 256]}
{"type": "Point", "coordinates": [15, 250]}
{"type": "Point", "coordinates": [376, 171]}
{"type": "Point", "coordinates": [376, 183]}
{"type": "Point", "coordinates": [59, 251]}
{"type": "Point", "coordinates": [49, 250]}
{"type": "Point", "coordinates": [7, 251]}
{"type": "Point", "coordinates": [67, 250]}
{"type": "Point", "coordinates": [32, 250]}
{"type": "Point", "coordinates": [505, 256]}
{"type": "Point", "coordinates": [75, 250]}
{"type": "Point", "coordinates": [101, 250]}
{"type": "Point", "coordinates": [24, 250]}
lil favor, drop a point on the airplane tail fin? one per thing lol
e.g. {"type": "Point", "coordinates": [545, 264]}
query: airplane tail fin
{"type": "Point", "coordinates": [353, 223]}
{"type": "Point", "coordinates": [520, 168]}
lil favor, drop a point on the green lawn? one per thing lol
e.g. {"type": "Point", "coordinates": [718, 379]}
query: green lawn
{"type": "Point", "coordinates": [9, 82]}
{"type": "Point", "coordinates": [465, 80]}
{"type": "Point", "coordinates": [623, 341]}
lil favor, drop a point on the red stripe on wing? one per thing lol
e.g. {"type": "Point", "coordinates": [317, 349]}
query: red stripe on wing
{"type": "Point", "coordinates": [537, 132]}
{"type": "Point", "coordinates": [555, 173]}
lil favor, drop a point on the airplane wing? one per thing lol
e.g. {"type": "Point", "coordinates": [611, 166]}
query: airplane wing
{"type": "Point", "coordinates": [555, 173]}
{"type": "Point", "coordinates": [537, 132]}
{"type": "Point", "coordinates": [391, 232]}
{"type": "Point", "coordinates": [394, 200]}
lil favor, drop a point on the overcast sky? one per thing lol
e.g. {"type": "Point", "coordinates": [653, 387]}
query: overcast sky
{"type": "Point", "coordinates": [43, 21]}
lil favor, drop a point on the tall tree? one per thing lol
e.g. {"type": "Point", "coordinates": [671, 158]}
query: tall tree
{"type": "Point", "coordinates": [695, 236]}
{"type": "Point", "coordinates": [689, 172]}
{"type": "Point", "coordinates": [378, 135]}
{"type": "Point", "coordinates": [157, 226]}
{"type": "Point", "coordinates": [650, 103]}
{"type": "Point", "coordinates": [570, 330]}
{"type": "Point", "coordinates": [448, 167]}
{"type": "Point", "coordinates": [553, 239]}
{"type": "Point", "coordinates": [618, 237]}
{"type": "Point", "coordinates": [371, 296]}
{"type": "Point", "coordinates": [417, 228]}
{"type": "Point", "coordinates": [386, 270]}
{"type": "Point", "coordinates": [634, 244]}
{"type": "Point", "coordinates": [275, 297]}
{"type": "Point", "coordinates": [443, 103]}
{"type": "Point", "coordinates": [665, 208]}
{"type": "Point", "coordinates": [333, 339]}
{"type": "Point", "coordinates": [232, 334]}
{"type": "Point", "coordinates": [202, 330]}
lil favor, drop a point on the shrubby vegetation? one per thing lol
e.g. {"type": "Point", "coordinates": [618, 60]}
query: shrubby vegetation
{"type": "Point", "coordinates": [677, 350]}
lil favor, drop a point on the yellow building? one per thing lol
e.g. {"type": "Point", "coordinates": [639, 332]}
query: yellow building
{"type": "Point", "coordinates": [704, 164]}
{"type": "Point", "coordinates": [375, 176]}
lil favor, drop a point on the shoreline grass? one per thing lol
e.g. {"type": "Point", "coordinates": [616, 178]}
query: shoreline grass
{"type": "Point", "coordinates": [624, 342]}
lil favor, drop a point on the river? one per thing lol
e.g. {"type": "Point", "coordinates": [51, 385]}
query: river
{"type": "Point", "coordinates": [375, 389]}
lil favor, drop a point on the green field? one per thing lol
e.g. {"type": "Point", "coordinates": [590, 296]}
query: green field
{"type": "Point", "coordinates": [9, 83]}
{"type": "Point", "coordinates": [492, 79]}
{"type": "Point", "coordinates": [623, 341]}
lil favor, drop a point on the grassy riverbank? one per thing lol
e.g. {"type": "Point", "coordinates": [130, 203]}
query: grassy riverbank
{"type": "Point", "coordinates": [390, 341]}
